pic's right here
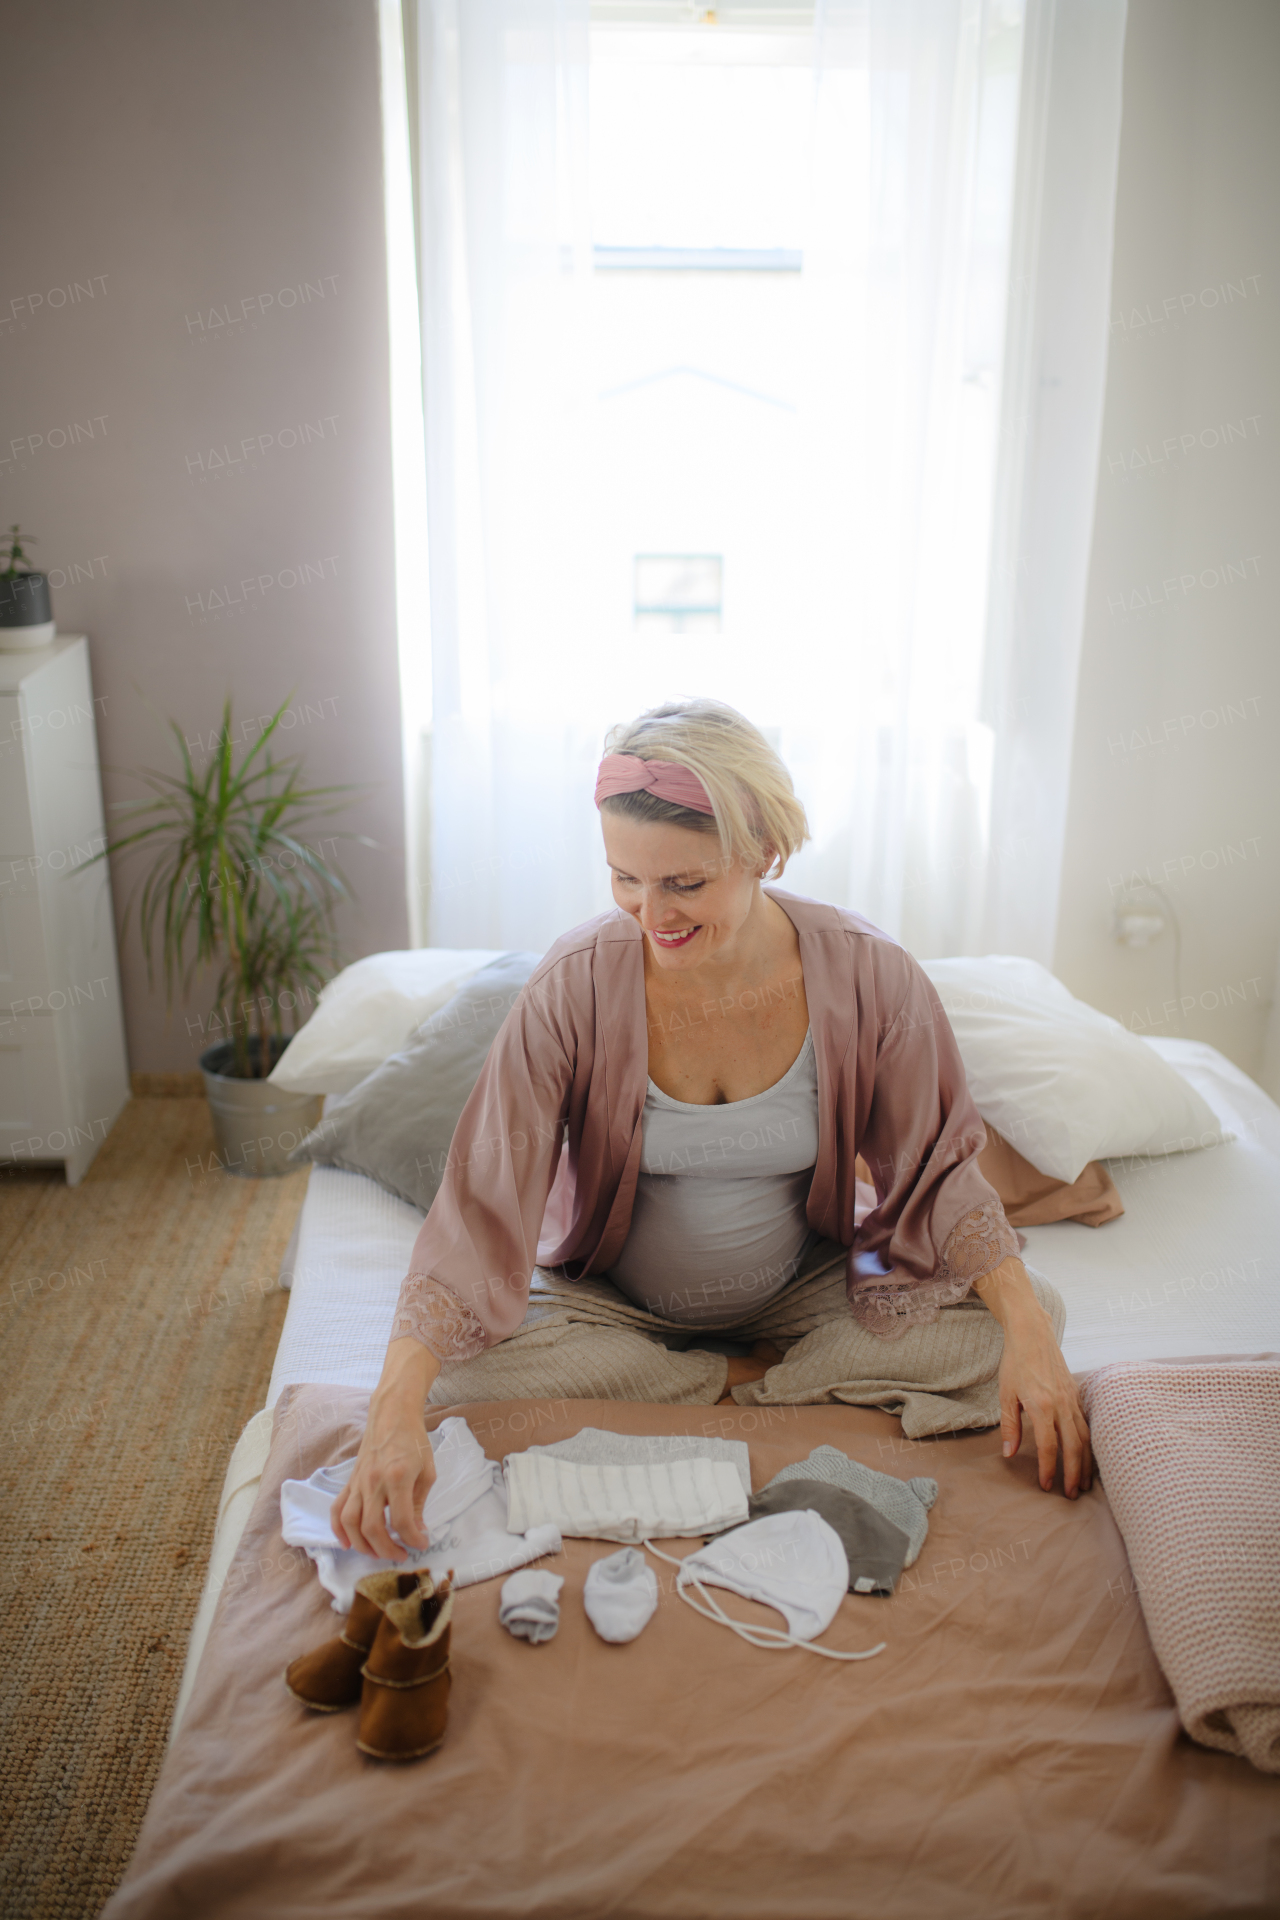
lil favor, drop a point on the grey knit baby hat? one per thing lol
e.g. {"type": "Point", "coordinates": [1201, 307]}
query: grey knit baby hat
{"type": "Point", "coordinates": [905, 1502]}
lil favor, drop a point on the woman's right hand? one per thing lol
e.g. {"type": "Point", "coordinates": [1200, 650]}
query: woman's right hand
{"type": "Point", "coordinates": [395, 1466]}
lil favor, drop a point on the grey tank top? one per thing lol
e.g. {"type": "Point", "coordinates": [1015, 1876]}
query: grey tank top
{"type": "Point", "coordinates": [718, 1225]}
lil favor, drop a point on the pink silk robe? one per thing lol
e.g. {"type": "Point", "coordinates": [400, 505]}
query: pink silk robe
{"type": "Point", "coordinates": [544, 1160]}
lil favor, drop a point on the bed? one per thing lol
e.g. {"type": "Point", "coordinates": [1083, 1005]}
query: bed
{"type": "Point", "coordinates": [1192, 1267]}
{"type": "Point", "coordinates": [1017, 1751]}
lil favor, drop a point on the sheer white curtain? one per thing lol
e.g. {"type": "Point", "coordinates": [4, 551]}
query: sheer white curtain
{"type": "Point", "coordinates": [956, 278]}
{"type": "Point", "coordinates": [504, 251]}
{"type": "Point", "coordinates": [907, 264]}
{"type": "Point", "coordinates": [959, 274]}
{"type": "Point", "coordinates": [1051, 426]}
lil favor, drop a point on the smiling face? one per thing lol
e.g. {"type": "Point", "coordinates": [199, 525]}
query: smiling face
{"type": "Point", "coordinates": [691, 902]}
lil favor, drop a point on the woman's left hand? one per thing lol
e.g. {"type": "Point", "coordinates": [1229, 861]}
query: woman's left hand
{"type": "Point", "coordinates": [1034, 1379]}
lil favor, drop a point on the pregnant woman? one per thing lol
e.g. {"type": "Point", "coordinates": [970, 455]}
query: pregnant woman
{"type": "Point", "coordinates": [676, 1105]}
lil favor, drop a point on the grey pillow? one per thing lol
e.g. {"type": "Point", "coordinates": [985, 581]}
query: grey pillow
{"type": "Point", "coordinates": [397, 1125]}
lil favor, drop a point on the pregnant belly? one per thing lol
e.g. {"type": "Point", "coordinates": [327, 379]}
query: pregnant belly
{"type": "Point", "coordinates": [709, 1253]}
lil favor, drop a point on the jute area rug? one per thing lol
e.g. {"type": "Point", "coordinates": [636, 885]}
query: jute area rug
{"type": "Point", "coordinates": [140, 1315]}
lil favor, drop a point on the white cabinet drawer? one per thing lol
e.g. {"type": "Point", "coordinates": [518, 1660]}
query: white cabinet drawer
{"type": "Point", "coordinates": [23, 955]}
{"type": "Point", "coordinates": [31, 1103]}
{"type": "Point", "coordinates": [16, 833]}
{"type": "Point", "coordinates": [63, 1068]}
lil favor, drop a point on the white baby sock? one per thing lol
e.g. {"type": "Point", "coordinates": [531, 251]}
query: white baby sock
{"type": "Point", "coordinates": [530, 1604]}
{"type": "Point", "coordinates": [621, 1595]}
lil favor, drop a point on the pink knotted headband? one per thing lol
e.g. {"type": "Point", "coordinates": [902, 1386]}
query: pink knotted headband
{"type": "Point", "coordinates": [626, 773]}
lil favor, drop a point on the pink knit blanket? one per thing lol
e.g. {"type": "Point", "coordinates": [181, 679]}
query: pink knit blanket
{"type": "Point", "coordinates": [1189, 1454]}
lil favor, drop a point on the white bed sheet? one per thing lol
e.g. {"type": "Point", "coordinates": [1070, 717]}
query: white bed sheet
{"type": "Point", "coordinates": [1193, 1267]}
{"type": "Point", "coordinates": [352, 1251]}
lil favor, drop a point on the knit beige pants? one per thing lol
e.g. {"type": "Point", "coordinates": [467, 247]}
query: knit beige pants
{"type": "Point", "coordinates": [584, 1340]}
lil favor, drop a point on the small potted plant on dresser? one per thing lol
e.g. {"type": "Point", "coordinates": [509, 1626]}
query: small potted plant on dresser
{"type": "Point", "coordinates": [26, 615]}
{"type": "Point", "coordinates": [234, 880]}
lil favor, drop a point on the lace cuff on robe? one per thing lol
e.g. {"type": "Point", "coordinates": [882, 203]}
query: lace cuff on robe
{"type": "Point", "coordinates": [977, 1244]}
{"type": "Point", "coordinates": [427, 1312]}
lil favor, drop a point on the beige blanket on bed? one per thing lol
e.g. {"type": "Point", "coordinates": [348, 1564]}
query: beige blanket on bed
{"type": "Point", "coordinates": [584, 1340]}
{"type": "Point", "coordinates": [1014, 1754]}
{"type": "Point", "coordinates": [1190, 1457]}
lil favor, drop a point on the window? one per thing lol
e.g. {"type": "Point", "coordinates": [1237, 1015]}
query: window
{"type": "Point", "coordinates": [678, 592]}
{"type": "Point", "coordinates": [698, 158]}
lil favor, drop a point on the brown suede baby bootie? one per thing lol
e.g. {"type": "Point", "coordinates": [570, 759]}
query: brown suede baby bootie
{"type": "Point", "coordinates": [404, 1707]}
{"type": "Point", "coordinates": [329, 1679]}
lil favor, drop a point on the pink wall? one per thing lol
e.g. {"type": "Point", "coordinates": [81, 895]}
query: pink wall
{"type": "Point", "coordinates": [194, 273]}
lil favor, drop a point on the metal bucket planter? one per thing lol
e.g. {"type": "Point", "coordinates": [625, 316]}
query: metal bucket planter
{"type": "Point", "coordinates": [256, 1125]}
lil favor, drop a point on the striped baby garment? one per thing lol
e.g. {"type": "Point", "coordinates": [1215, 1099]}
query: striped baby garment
{"type": "Point", "coordinates": [627, 1503]}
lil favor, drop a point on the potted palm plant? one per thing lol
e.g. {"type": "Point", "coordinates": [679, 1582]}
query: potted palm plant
{"type": "Point", "coordinates": [26, 616]}
{"type": "Point", "coordinates": [235, 881]}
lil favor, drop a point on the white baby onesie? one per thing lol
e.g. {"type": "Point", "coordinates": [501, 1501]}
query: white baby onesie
{"type": "Point", "coordinates": [465, 1516]}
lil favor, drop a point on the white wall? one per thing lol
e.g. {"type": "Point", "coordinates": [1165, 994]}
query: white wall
{"type": "Point", "coordinates": [1176, 773]}
{"type": "Point", "coordinates": [189, 163]}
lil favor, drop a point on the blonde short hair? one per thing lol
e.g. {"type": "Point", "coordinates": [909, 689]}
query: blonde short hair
{"type": "Point", "coordinates": [755, 806]}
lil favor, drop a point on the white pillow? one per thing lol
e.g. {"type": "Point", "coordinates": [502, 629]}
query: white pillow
{"type": "Point", "coordinates": [1062, 1082]}
{"type": "Point", "coordinates": [368, 1011]}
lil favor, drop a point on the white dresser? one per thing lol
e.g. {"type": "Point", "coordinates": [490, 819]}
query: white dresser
{"type": "Point", "coordinates": [63, 1069]}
